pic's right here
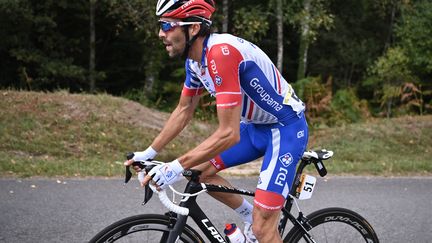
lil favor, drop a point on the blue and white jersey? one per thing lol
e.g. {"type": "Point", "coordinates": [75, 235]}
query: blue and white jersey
{"type": "Point", "coordinates": [237, 72]}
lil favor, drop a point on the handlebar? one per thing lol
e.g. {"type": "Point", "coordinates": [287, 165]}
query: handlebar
{"type": "Point", "coordinates": [163, 197]}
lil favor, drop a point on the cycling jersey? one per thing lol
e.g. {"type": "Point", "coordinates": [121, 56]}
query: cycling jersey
{"type": "Point", "coordinates": [237, 72]}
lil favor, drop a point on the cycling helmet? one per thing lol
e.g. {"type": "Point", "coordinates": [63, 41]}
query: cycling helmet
{"type": "Point", "coordinates": [181, 9]}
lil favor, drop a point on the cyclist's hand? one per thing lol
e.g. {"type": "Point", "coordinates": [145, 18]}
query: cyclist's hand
{"type": "Point", "coordinates": [145, 155]}
{"type": "Point", "coordinates": [164, 174]}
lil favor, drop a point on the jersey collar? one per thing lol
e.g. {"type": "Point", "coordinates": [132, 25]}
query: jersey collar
{"type": "Point", "coordinates": [203, 62]}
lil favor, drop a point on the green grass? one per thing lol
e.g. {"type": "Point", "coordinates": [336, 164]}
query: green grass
{"type": "Point", "coordinates": [59, 134]}
{"type": "Point", "coordinates": [62, 134]}
{"type": "Point", "coordinates": [399, 146]}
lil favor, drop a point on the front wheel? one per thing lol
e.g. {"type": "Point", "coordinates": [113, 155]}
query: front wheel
{"type": "Point", "coordinates": [144, 228]}
{"type": "Point", "coordinates": [334, 225]}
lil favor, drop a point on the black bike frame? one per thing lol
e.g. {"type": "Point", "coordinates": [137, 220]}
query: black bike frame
{"type": "Point", "coordinates": [205, 224]}
{"type": "Point", "coordinates": [196, 213]}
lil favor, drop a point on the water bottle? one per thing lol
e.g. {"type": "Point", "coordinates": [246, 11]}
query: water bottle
{"type": "Point", "coordinates": [234, 234]}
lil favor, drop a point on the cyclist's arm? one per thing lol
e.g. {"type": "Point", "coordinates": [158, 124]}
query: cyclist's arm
{"type": "Point", "coordinates": [177, 121]}
{"type": "Point", "coordinates": [227, 134]}
{"type": "Point", "coordinates": [225, 60]}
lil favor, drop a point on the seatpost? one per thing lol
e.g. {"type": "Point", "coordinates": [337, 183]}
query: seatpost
{"type": "Point", "coordinates": [289, 201]}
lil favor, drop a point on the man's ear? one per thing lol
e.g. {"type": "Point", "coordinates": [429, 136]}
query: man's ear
{"type": "Point", "coordinates": [194, 30]}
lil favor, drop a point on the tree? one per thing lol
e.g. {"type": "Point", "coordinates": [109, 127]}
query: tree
{"type": "Point", "coordinates": [42, 52]}
{"type": "Point", "coordinates": [92, 47]}
{"type": "Point", "coordinates": [388, 74]}
{"type": "Point", "coordinates": [414, 35]}
{"type": "Point", "coordinates": [225, 16]}
{"type": "Point", "coordinates": [250, 22]}
{"type": "Point", "coordinates": [139, 16]}
{"type": "Point", "coordinates": [313, 16]}
{"type": "Point", "coordinates": [280, 40]}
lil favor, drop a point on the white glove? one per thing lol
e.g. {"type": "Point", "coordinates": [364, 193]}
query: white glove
{"type": "Point", "coordinates": [145, 155]}
{"type": "Point", "coordinates": [166, 174]}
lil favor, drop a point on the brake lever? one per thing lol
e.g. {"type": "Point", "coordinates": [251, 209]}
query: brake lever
{"type": "Point", "coordinates": [128, 173]}
{"type": "Point", "coordinates": [148, 192]}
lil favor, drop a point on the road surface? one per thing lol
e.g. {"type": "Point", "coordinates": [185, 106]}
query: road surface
{"type": "Point", "coordinates": [73, 210]}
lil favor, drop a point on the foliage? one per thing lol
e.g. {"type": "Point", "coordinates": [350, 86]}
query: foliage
{"type": "Point", "coordinates": [388, 74]}
{"type": "Point", "coordinates": [45, 46]}
{"type": "Point", "coordinates": [358, 35]}
{"type": "Point", "coordinates": [325, 109]}
{"type": "Point", "coordinates": [38, 43]}
{"type": "Point", "coordinates": [414, 32]}
{"type": "Point", "coordinates": [347, 108]}
{"type": "Point", "coordinates": [317, 16]}
{"type": "Point", "coordinates": [250, 23]}
{"type": "Point", "coordinates": [317, 97]}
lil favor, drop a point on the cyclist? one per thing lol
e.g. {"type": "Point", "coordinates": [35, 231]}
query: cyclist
{"type": "Point", "coordinates": [258, 112]}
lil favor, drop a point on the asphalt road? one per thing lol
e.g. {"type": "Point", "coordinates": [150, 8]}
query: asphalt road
{"type": "Point", "coordinates": [73, 210]}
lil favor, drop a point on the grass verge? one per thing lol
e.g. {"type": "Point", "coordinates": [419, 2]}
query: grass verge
{"type": "Point", "coordinates": [62, 134]}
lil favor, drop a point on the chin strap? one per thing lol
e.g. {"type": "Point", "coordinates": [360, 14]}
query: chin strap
{"type": "Point", "coordinates": [189, 42]}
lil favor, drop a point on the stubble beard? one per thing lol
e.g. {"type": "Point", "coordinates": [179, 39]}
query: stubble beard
{"type": "Point", "coordinates": [177, 52]}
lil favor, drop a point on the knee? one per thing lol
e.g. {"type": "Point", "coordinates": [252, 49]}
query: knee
{"type": "Point", "coordinates": [258, 230]}
{"type": "Point", "coordinates": [208, 172]}
{"type": "Point", "coordinates": [206, 177]}
{"type": "Point", "coordinates": [265, 231]}
{"type": "Point", "coordinates": [265, 225]}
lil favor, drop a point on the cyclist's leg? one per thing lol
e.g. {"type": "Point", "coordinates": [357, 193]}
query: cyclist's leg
{"type": "Point", "coordinates": [265, 224]}
{"type": "Point", "coordinates": [285, 146]}
{"type": "Point", "coordinates": [209, 176]}
{"type": "Point", "coordinates": [243, 152]}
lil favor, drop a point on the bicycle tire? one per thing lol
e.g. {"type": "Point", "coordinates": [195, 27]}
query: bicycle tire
{"type": "Point", "coordinates": [144, 228]}
{"type": "Point", "coordinates": [335, 225]}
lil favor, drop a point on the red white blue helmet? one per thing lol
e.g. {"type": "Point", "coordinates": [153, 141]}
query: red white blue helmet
{"type": "Point", "coordinates": [181, 9]}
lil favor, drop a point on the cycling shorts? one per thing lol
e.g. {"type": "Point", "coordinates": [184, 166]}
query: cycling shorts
{"type": "Point", "coordinates": [282, 146]}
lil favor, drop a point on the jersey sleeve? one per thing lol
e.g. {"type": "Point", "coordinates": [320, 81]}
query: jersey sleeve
{"type": "Point", "coordinates": [223, 62]}
{"type": "Point", "coordinates": [192, 85]}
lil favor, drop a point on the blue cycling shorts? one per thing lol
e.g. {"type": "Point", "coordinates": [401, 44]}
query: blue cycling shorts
{"type": "Point", "coordinates": [281, 145]}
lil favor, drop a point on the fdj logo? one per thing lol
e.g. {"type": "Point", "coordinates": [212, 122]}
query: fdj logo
{"type": "Point", "coordinates": [168, 173]}
{"type": "Point", "coordinates": [218, 80]}
{"type": "Point", "coordinates": [286, 159]}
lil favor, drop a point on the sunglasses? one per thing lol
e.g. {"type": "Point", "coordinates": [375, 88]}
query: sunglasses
{"type": "Point", "coordinates": [166, 26]}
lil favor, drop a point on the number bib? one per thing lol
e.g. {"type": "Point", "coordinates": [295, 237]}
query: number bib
{"type": "Point", "coordinates": [305, 189]}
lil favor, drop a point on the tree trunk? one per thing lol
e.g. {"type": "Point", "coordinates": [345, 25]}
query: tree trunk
{"type": "Point", "coordinates": [391, 24]}
{"type": "Point", "coordinates": [150, 77]}
{"type": "Point", "coordinates": [304, 41]}
{"type": "Point", "coordinates": [225, 18]}
{"type": "Point", "coordinates": [279, 17]}
{"type": "Point", "coordinates": [92, 47]}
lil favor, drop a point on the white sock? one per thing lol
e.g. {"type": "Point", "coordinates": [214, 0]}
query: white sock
{"type": "Point", "coordinates": [245, 211]}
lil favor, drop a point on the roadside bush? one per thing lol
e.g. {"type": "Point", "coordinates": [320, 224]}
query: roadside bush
{"type": "Point", "coordinates": [347, 108]}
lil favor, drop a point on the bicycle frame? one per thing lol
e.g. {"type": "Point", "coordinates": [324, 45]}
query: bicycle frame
{"type": "Point", "coordinates": [196, 213]}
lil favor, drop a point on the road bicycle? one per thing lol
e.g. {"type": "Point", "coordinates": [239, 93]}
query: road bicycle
{"type": "Point", "coordinates": [325, 225]}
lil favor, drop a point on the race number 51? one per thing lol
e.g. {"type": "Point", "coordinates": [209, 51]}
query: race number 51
{"type": "Point", "coordinates": [306, 187]}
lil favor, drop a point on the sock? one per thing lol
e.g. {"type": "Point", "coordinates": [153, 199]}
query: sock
{"type": "Point", "coordinates": [245, 211]}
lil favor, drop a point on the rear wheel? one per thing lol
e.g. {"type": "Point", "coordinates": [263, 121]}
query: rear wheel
{"type": "Point", "coordinates": [334, 225]}
{"type": "Point", "coordinates": [144, 228]}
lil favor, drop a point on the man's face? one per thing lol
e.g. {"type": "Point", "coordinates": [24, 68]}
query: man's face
{"type": "Point", "coordinates": [173, 39]}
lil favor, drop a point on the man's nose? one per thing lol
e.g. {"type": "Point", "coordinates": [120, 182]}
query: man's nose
{"type": "Point", "coordinates": [161, 34]}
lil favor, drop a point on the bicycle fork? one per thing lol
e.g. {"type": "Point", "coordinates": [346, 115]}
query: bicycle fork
{"type": "Point", "coordinates": [178, 226]}
{"type": "Point", "coordinates": [301, 221]}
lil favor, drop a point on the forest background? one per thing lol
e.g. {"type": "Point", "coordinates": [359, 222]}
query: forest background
{"type": "Point", "coordinates": [348, 60]}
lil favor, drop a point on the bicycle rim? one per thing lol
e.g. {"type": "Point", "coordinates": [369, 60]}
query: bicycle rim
{"type": "Point", "coordinates": [335, 225]}
{"type": "Point", "coordinates": [143, 228]}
